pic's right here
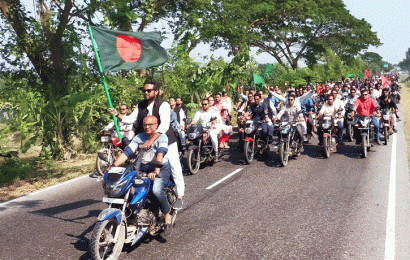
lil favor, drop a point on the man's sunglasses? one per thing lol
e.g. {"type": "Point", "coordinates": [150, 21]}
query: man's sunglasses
{"type": "Point", "coordinates": [205, 104]}
{"type": "Point", "coordinates": [147, 90]}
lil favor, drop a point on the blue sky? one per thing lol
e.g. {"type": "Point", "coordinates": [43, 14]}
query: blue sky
{"type": "Point", "coordinates": [389, 19]}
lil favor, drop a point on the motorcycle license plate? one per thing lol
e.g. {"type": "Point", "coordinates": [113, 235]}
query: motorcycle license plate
{"type": "Point", "coordinates": [114, 201]}
{"type": "Point", "coordinates": [105, 139]}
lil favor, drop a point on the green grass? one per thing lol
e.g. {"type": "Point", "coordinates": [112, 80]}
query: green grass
{"type": "Point", "coordinates": [405, 101]}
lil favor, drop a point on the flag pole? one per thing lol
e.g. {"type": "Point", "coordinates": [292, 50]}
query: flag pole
{"type": "Point", "coordinates": [104, 81]}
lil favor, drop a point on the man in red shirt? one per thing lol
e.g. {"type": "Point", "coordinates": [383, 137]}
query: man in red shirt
{"type": "Point", "coordinates": [366, 106]}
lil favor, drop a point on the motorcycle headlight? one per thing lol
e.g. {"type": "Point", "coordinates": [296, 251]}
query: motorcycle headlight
{"type": "Point", "coordinates": [364, 122]}
{"type": "Point", "coordinates": [326, 125]}
{"type": "Point", "coordinates": [285, 129]}
{"type": "Point", "coordinates": [249, 129]}
{"type": "Point", "coordinates": [386, 117]}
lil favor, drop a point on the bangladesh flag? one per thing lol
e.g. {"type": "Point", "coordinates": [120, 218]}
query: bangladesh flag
{"type": "Point", "coordinates": [129, 50]}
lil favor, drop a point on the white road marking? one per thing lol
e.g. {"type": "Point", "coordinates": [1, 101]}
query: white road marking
{"type": "Point", "coordinates": [389, 248]}
{"type": "Point", "coordinates": [224, 178]}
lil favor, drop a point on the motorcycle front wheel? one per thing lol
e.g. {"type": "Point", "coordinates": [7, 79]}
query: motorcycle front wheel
{"type": "Point", "coordinates": [327, 145]}
{"type": "Point", "coordinates": [386, 134]}
{"type": "Point", "coordinates": [284, 153]}
{"type": "Point", "coordinates": [350, 132]}
{"type": "Point", "coordinates": [102, 240]}
{"type": "Point", "coordinates": [100, 165]}
{"type": "Point", "coordinates": [249, 151]}
{"type": "Point", "coordinates": [364, 146]}
{"type": "Point", "coordinates": [194, 161]}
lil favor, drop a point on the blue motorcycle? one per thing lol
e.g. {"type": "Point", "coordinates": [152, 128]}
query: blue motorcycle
{"type": "Point", "coordinates": [133, 211]}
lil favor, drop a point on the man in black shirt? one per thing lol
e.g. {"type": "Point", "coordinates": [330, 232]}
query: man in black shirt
{"type": "Point", "coordinates": [385, 102]}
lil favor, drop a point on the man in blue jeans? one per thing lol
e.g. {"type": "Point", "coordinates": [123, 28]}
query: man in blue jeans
{"type": "Point", "coordinates": [157, 151]}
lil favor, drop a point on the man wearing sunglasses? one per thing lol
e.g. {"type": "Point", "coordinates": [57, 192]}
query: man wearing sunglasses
{"type": "Point", "coordinates": [366, 106]}
{"type": "Point", "coordinates": [154, 106]}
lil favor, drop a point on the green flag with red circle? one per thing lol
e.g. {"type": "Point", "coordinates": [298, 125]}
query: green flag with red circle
{"type": "Point", "coordinates": [120, 50]}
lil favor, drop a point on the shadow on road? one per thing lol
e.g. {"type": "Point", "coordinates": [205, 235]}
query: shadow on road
{"type": "Point", "coordinates": [53, 211]}
{"type": "Point", "coordinates": [21, 204]}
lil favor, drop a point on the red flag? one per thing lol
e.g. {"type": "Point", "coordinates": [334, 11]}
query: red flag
{"type": "Point", "coordinates": [366, 74]}
{"type": "Point", "coordinates": [385, 81]}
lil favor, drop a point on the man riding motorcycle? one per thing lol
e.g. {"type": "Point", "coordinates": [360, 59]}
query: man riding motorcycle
{"type": "Point", "coordinates": [204, 115]}
{"type": "Point", "coordinates": [385, 102]}
{"type": "Point", "coordinates": [330, 109]}
{"type": "Point", "coordinates": [291, 113]}
{"type": "Point", "coordinates": [366, 106]}
{"type": "Point", "coordinates": [158, 149]}
{"type": "Point", "coordinates": [260, 112]}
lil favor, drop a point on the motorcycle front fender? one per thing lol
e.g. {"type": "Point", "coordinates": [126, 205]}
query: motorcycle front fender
{"type": "Point", "coordinates": [249, 139]}
{"type": "Point", "coordinates": [326, 135]}
{"type": "Point", "coordinates": [109, 213]}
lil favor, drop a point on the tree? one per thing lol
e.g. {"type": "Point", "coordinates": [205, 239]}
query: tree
{"type": "Point", "coordinates": [288, 30]}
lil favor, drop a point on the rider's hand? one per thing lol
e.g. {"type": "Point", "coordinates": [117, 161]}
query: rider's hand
{"type": "Point", "coordinates": [147, 144]}
{"type": "Point", "coordinates": [113, 111]}
{"type": "Point", "coordinates": [352, 113]}
{"type": "Point", "coordinates": [152, 175]}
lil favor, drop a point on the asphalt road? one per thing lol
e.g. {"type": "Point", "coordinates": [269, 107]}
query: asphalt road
{"type": "Point", "coordinates": [314, 208]}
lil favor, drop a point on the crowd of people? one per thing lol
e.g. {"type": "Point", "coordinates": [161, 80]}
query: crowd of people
{"type": "Point", "coordinates": [160, 125]}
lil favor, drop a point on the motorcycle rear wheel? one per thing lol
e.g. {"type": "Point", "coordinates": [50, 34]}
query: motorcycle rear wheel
{"type": "Point", "coordinates": [386, 134]}
{"type": "Point", "coordinates": [327, 146]}
{"type": "Point", "coordinates": [194, 161]}
{"type": "Point", "coordinates": [102, 245]}
{"type": "Point", "coordinates": [249, 151]}
{"type": "Point", "coordinates": [100, 165]}
{"type": "Point", "coordinates": [284, 154]}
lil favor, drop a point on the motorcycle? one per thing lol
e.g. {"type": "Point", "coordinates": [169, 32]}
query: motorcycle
{"type": "Point", "coordinates": [386, 122]}
{"type": "Point", "coordinates": [349, 121]}
{"type": "Point", "coordinates": [366, 128]}
{"type": "Point", "coordinates": [132, 211]}
{"type": "Point", "coordinates": [254, 140]}
{"type": "Point", "coordinates": [106, 156]}
{"type": "Point", "coordinates": [329, 135]}
{"type": "Point", "coordinates": [200, 147]}
{"type": "Point", "coordinates": [289, 140]}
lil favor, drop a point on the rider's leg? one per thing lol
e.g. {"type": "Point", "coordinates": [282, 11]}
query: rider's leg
{"type": "Point", "coordinates": [176, 169]}
{"type": "Point", "coordinates": [375, 121]}
{"type": "Point", "coordinates": [158, 189]}
{"type": "Point", "coordinates": [340, 132]}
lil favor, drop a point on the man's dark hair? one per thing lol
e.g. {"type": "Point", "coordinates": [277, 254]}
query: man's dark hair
{"type": "Point", "coordinates": [152, 82]}
{"type": "Point", "coordinates": [257, 95]}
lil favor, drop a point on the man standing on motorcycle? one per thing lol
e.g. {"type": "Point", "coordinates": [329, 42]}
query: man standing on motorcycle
{"type": "Point", "coordinates": [385, 102]}
{"type": "Point", "coordinates": [205, 115]}
{"type": "Point", "coordinates": [366, 106]}
{"type": "Point", "coordinates": [330, 109]}
{"type": "Point", "coordinates": [152, 105]}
